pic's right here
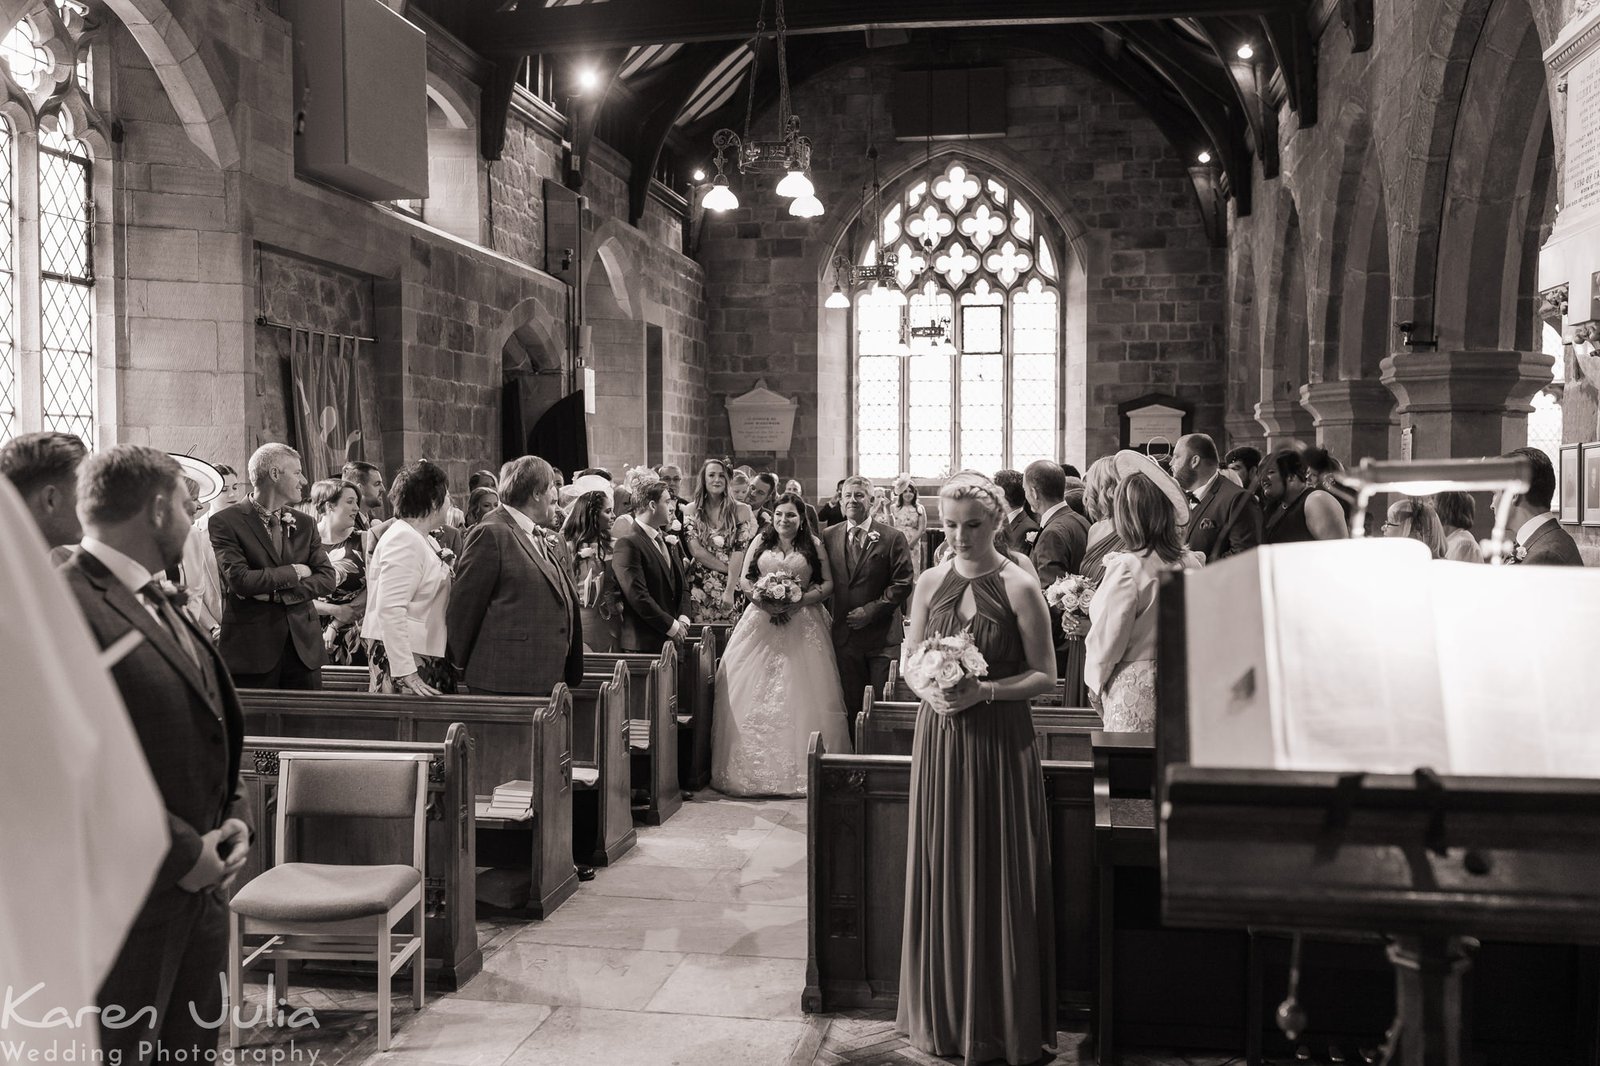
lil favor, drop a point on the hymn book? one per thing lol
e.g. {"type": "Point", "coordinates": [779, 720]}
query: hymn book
{"type": "Point", "coordinates": [1369, 656]}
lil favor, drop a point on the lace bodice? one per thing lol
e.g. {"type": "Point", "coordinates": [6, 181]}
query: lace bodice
{"type": "Point", "coordinates": [792, 562]}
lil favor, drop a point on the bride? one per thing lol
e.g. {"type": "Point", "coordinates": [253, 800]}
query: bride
{"type": "Point", "coordinates": [778, 682]}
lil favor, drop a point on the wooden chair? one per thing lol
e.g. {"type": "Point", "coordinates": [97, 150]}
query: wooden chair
{"type": "Point", "coordinates": [316, 911]}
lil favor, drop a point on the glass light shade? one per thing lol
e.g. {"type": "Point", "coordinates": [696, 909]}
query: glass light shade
{"type": "Point", "coordinates": [806, 207]}
{"type": "Point", "coordinates": [795, 184]}
{"type": "Point", "coordinates": [838, 301]}
{"type": "Point", "coordinates": [719, 197]}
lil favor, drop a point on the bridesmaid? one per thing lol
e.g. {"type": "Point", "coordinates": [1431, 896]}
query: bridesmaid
{"type": "Point", "coordinates": [977, 962]}
{"type": "Point", "coordinates": [718, 527]}
{"type": "Point", "coordinates": [588, 535]}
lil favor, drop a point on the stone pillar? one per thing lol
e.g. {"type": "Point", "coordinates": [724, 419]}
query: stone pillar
{"type": "Point", "coordinates": [1462, 404]}
{"type": "Point", "coordinates": [1285, 422]}
{"type": "Point", "coordinates": [1351, 417]}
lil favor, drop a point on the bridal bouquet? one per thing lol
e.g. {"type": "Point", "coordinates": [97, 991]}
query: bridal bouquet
{"type": "Point", "coordinates": [943, 662]}
{"type": "Point", "coordinates": [1071, 595]}
{"type": "Point", "coordinates": [778, 589]}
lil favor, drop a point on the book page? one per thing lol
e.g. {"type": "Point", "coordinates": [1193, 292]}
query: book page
{"type": "Point", "coordinates": [1356, 677]}
{"type": "Point", "coordinates": [1230, 708]}
{"type": "Point", "coordinates": [1519, 664]}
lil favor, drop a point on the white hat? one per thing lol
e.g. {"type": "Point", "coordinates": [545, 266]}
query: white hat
{"type": "Point", "coordinates": [203, 474]}
{"type": "Point", "coordinates": [1132, 462]}
{"type": "Point", "coordinates": [585, 484]}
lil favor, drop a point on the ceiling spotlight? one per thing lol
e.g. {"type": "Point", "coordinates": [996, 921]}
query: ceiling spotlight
{"type": "Point", "coordinates": [1246, 52]}
{"type": "Point", "coordinates": [699, 175]}
{"type": "Point", "coordinates": [587, 78]}
{"type": "Point", "coordinates": [1205, 157]}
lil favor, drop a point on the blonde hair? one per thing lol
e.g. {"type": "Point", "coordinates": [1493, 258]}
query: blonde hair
{"type": "Point", "coordinates": [972, 485]}
{"type": "Point", "coordinates": [1420, 521]}
{"type": "Point", "coordinates": [638, 479]}
{"type": "Point", "coordinates": [1100, 487]}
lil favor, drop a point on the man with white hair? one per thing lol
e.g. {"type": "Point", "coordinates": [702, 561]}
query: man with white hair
{"type": "Point", "coordinates": [273, 567]}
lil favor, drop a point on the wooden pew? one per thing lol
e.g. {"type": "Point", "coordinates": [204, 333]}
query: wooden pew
{"type": "Point", "coordinates": [697, 681]}
{"type": "Point", "coordinates": [452, 936]}
{"type": "Point", "coordinates": [653, 732]}
{"type": "Point", "coordinates": [884, 728]}
{"type": "Point", "coordinates": [346, 679]}
{"type": "Point", "coordinates": [856, 848]}
{"type": "Point", "coordinates": [513, 737]}
{"type": "Point", "coordinates": [897, 691]}
{"type": "Point", "coordinates": [602, 811]}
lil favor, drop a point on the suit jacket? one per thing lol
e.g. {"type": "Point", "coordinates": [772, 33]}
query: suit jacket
{"type": "Point", "coordinates": [655, 591]}
{"type": "Point", "coordinates": [1225, 522]}
{"type": "Point", "coordinates": [880, 581]}
{"type": "Point", "coordinates": [1058, 551]}
{"type": "Point", "coordinates": [1016, 533]}
{"type": "Point", "coordinates": [264, 602]}
{"type": "Point", "coordinates": [187, 718]}
{"type": "Point", "coordinates": [830, 514]}
{"type": "Point", "coordinates": [1552, 546]}
{"type": "Point", "coordinates": [513, 615]}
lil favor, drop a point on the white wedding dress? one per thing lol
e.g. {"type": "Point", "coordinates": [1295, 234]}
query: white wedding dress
{"type": "Point", "coordinates": [776, 685]}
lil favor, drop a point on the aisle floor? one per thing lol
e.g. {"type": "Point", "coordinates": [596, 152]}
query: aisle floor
{"type": "Point", "coordinates": [688, 952]}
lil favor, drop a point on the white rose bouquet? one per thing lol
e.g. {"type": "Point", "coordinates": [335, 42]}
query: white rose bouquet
{"type": "Point", "coordinates": [943, 662]}
{"type": "Point", "coordinates": [1071, 595]}
{"type": "Point", "coordinates": [778, 591]}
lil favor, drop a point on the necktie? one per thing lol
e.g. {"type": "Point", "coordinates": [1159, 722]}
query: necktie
{"type": "Point", "coordinates": [154, 596]}
{"type": "Point", "coordinates": [275, 533]}
{"type": "Point", "coordinates": [853, 556]}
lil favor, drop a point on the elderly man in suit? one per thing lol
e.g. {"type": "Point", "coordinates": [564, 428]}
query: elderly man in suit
{"type": "Point", "coordinates": [513, 615]}
{"type": "Point", "coordinates": [273, 567]}
{"type": "Point", "coordinates": [649, 573]}
{"type": "Point", "coordinates": [1223, 518]}
{"type": "Point", "coordinates": [135, 510]}
{"type": "Point", "coordinates": [1540, 540]}
{"type": "Point", "coordinates": [872, 577]}
{"type": "Point", "coordinates": [1063, 533]}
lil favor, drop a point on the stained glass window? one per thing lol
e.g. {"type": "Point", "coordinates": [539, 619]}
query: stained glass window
{"type": "Point", "coordinates": [984, 390]}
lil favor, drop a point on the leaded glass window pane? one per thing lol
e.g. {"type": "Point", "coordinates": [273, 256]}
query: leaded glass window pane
{"type": "Point", "coordinates": [1034, 319]}
{"type": "Point", "coordinates": [928, 401]}
{"type": "Point", "coordinates": [983, 410]}
{"type": "Point", "coordinates": [878, 409]}
{"type": "Point", "coordinates": [27, 60]}
{"type": "Point", "coordinates": [8, 292]}
{"type": "Point", "coordinates": [1033, 407]}
{"type": "Point", "coordinates": [66, 285]}
{"type": "Point", "coordinates": [877, 324]}
{"type": "Point", "coordinates": [981, 331]}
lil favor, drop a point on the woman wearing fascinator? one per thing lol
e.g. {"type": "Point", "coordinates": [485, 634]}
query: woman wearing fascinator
{"type": "Point", "coordinates": [1120, 650]}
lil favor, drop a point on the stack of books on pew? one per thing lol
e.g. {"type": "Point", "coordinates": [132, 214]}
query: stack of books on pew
{"type": "Point", "coordinates": [512, 801]}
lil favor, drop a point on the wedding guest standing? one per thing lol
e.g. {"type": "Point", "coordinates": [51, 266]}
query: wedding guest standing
{"type": "Point", "coordinates": [977, 958]}
{"type": "Point", "coordinates": [1458, 511]}
{"type": "Point", "coordinates": [273, 569]}
{"type": "Point", "coordinates": [368, 481]}
{"type": "Point", "coordinates": [166, 980]}
{"type": "Point", "coordinates": [634, 482]}
{"type": "Point", "coordinates": [872, 577]}
{"type": "Point", "coordinates": [1018, 523]}
{"type": "Point", "coordinates": [1243, 461]}
{"type": "Point", "coordinates": [408, 589]}
{"type": "Point", "coordinates": [202, 578]}
{"type": "Point", "coordinates": [1223, 519]}
{"type": "Point", "coordinates": [338, 507]}
{"type": "Point", "coordinates": [481, 501]}
{"type": "Point", "coordinates": [1058, 550]}
{"type": "Point", "coordinates": [44, 469]}
{"type": "Point", "coordinates": [830, 513]}
{"type": "Point", "coordinates": [1298, 510]}
{"type": "Point", "coordinates": [655, 596]}
{"type": "Point", "coordinates": [908, 516]}
{"type": "Point", "coordinates": [1120, 650]}
{"type": "Point", "coordinates": [589, 550]}
{"type": "Point", "coordinates": [1416, 519]}
{"type": "Point", "coordinates": [792, 487]}
{"type": "Point", "coordinates": [515, 628]}
{"type": "Point", "coordinates": [717, 529]}
{"type": "Point", "coordinates": [1099, 495]}
{"type": "Point", "coordinates": [1540, 540]}
{"type": "Point", "coordinates": [763, 491]}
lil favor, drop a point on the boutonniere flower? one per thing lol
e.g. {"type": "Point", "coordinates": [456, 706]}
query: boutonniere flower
{"type": "Point", "coordinates": [1033, 535]}
{"type": "Point", "coordinates": [670, 539]}
{"type": "Point", "coordinates": [872, 536]}
{"type": "Point", "coordinates": [588, 551]}
{"type": "Point", "coordinates": [176, 595]}
{"type": "Point", "coordinates": [1519, 553]}
{"type": "Point", "coordinates": [677, 527]}
{"type": "Point", "coordinates": [286, 516]}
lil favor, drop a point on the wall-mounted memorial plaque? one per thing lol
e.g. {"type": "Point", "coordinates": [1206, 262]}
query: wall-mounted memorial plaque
{"type": "Point", "coordinates": [1572, 254]}
{"type": "Point", "coordinates": [761, 421]}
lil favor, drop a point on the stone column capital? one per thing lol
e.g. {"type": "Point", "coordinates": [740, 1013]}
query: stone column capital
{"type": "Point", "coordinates": [1458, 382]}
{"type": "Point", "coordinates": [1348, 403]}
{"type": "Point", "coordinates": [1284, 420]}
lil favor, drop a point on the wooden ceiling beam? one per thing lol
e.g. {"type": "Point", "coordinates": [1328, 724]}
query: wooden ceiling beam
{"type": "Point", "coordinates": [671, 92]}
{"type": "Point", "coordinates": [532, 28]}
{"type": "Point", "coordinates": [1249, 79]}
{"type": "Point", "coordinates": [1289, 34]}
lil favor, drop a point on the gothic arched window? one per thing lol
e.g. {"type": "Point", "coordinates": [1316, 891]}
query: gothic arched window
{"type": "Point", "coordinates": [983, 392]}
{"type": "Point", "coordinates": [47, 358]}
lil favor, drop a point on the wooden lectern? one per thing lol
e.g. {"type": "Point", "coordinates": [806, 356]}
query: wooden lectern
{"type": "Point", "coordinates": [1427, 861]}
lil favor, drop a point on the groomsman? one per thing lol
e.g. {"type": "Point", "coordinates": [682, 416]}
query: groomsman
{"type": "Point", "coordinates": [1540, 540]}
{"type": "Point", "coordinates": [513, 615]}
{"type": "Point", "coordinates": [1017, 524]}
{"type": "Point", "coordinates": [872, 577]}
{"type": "Point", "coordinates": [1063, 533]}
{"type": "Point", "coordinates": [1223, 518]}
{"type": "Point", "coordinates": [655, 593]}
{"type": "Point", "coordinates": [273, 567]}
{"type": "Point", "coordinates": [44, 469]}
{"type": "Point", "coordinates": [368, 481]}
{"type": "Point", "coordinates": [135, 510]}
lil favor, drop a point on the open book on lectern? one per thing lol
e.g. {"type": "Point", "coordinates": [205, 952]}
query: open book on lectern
{"type": "Point", "coordinates": [1367, 655]}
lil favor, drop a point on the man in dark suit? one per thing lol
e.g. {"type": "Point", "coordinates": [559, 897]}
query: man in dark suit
{"type": "Point", "coordinates": [1223, 518]}
{"type": "Point", "coordinates": [183, 707]}
{"type": "Point", "coordinates": [655, 592]}
{"type": "Point", "coordinates": [1063, 533]}
{"type": "Point", "coordinates": [1017, 524]}
{"type": "Point", "coordinates": [272, 565]}
{"type": "Point", "coordinates": [1540, 540]}
{"type": "Point", "coordinates": [872, 576]}
{"type": "Point", "coordinates": [44, 469]}
{"type": "Point", "coordinates": [513, 617]}
{"type": "Point", "coordinates": [831, 513]}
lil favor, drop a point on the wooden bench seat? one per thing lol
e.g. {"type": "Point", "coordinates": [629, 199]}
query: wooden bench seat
{"type": "Point", "coordinates": [885, 728]}
{"type": "Point", "coordinates": [653, 728]}
{"type": "Point", "coordinates": [513, 738]}
{"type": "Point", "coordinates": [602, 828]}
{"type": "Point", "coordinates": [453, 956]}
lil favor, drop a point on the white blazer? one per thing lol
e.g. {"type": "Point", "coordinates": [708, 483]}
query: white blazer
{"type": "Point", "coordinates": [1122, 613]}
{"type": "Point", "coordinates": [408, 590]}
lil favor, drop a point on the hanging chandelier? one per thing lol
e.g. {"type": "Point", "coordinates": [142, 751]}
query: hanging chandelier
{"type": "Point", "coordinates": [790, 156]}
{"type": "Point", "coordinates": [846, 275]}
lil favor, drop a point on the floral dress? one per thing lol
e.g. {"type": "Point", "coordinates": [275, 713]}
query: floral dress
{"type": "Point", "coordinates": [599, 600]}
{"type": "Point", "coordinates": [911, 522]}
{"type": "Point", "coordinates": [342, 640]}
{"type": "Point", "coordinates": [707, 586]}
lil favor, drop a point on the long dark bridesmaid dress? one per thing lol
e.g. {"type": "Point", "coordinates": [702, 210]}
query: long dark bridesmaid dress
{"type": "Point", "coordinates": [977, 962]}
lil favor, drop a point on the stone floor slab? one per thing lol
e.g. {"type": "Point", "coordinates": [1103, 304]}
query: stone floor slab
{"type": "Point", "coordinates": [578, 1036]}
{"type": "Point", "coordinates": [732, 986]}
{"type": "Point", "coordinates": [560, 975]}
